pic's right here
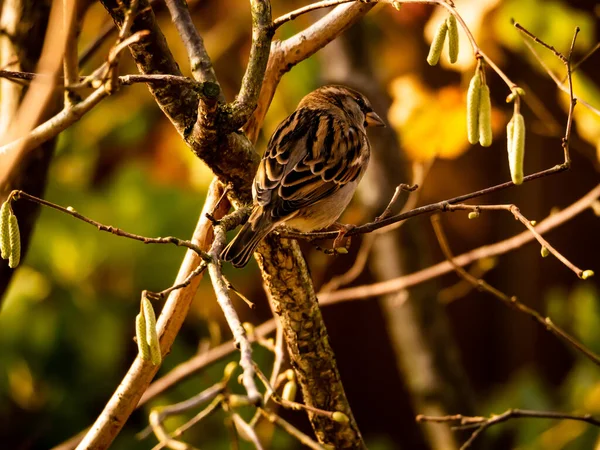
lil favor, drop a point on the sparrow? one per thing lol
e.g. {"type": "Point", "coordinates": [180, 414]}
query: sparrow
{"type": "Point", "coordinates": [311, 168]}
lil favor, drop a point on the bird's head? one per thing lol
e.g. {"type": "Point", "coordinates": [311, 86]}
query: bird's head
{"type": "Point", "coordinates": [352, 102]}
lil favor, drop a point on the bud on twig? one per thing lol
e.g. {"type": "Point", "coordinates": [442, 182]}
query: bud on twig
{"type": "Point", "coordinates": [340, 417]}
{"type": "Point", "coordinates": [289, 391]}
{"type": "Point", "coordinates": [587, 274]}
{"type": "Point", "coordinates": [544, 252]}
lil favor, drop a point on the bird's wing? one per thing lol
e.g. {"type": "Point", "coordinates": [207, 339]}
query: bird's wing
{"type": "Point", "coordinates": [311, 155]}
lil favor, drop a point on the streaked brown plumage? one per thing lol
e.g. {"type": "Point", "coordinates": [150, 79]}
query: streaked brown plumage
{"type": "Point", "coordinates": [311, 167]}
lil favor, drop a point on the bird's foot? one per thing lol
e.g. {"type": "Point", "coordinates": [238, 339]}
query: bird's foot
{"type": "Point", "coordinates": [342, 229]}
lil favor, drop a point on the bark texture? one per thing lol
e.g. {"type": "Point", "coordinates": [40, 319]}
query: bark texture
{"type": "Point", "coordinates": [293, 299]}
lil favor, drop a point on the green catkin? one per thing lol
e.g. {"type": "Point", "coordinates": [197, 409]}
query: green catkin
{"type": "Point", "coordinates": [4, 233]}
{"type": "Point", "coordinates": [473, 97]}
{"type": "Point", "coordinates": [485, 117]}
{"type": "Point", "coordinates": [452, 39]}
{"type": "Point", "coordinates": [516, 148]}
{"type": "Point", "coordinates": [510, 132]}
{"type": "Point", "coordinates": [151, 335]}
{"type": "Point", "coordinates": [437, 45]}
{"type": "Point", "coordinates": [140, 335]}
{"type": "Point", "coordinates": [14, 254]}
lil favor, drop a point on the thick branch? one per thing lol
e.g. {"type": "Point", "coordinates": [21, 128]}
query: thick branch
{"type": "Point", "coordinates": [293, 299]}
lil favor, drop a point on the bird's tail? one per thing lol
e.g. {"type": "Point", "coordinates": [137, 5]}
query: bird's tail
{"type": "Point", "coordinates": [240, 249]}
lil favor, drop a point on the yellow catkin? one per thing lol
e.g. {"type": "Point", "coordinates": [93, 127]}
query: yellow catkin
{"type": "Point", "coordinates": [437, 45]}
{"type": "Point", "coordinates": [473, 96]}
{"type": "Point", "coordinates": [452, 39]}
{"type": "Point", "coordinates": [289, 391]}
{"type": "Point", "coordinates": [140, 337]}
{"type": "Point", "coordinates": [4, 232]}
{"type": "Point", "coordinates": [485, 117]}
{"type": "Point", "coordinates": [14, 254]}
{"type": "Point", "coordinates": [516, 148]}
{"type": "Point", "coordinates": [151, 334]}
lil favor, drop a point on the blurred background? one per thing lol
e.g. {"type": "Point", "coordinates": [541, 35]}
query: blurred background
{"type": "Point", "coordinates": [67, 318]}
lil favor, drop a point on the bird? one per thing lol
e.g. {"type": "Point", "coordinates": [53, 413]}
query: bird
{"type": "Point", "coordinates": [310, 170]}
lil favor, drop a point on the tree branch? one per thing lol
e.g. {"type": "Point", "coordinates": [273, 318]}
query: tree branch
{"type": "Point", "coordinates": [483, 423]}
{"type": "Point", "coordinates": [128, 394]}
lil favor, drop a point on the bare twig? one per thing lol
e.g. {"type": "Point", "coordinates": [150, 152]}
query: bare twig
{"type": "Point", "coordinates": [70, 63]}
{"type": "Point", "coordinates": [110, 229]}
{"type": "Point", "coordinates": [521, 218]}
{"type": "Point", "coordinates": [211, 408]}
{"type": "Point", "coordinates": [512, 302]}
{"type": "Point", "coordinates": [308, 8]}
{"type": "Point", "coordinates": [158, 415]}
{"type": "Point", "coordinates": [197, 271]}
{"type": "Point", "coordinates": [567, 61]}
{"type": "Point", "coordinates": [483, 423]}
{"type": "Point", "coordinates": [60, 122]}
{"type": "Point", "coordinates": [584, 59]}
{"type": "Point", "coordinates": [262, 33]}
{"type": "Point", "coordinates": [291, 430]}
{"type": "Point", "coordinates": [246, 430]}
{"type": "Point", "coordinates": [427, 209]}
{"type": "Point", "coordinates": [200, 63]}
{"type": "Point", "coordinates": [399, 189]}
{"type": "Point", "coordinates": [221, 291]}
{"type": "Point", "coordinates": [498, 248]}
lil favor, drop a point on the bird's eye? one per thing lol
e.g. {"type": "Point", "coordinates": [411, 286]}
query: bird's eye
{"type": "Point", "coordinates": [362, 105]}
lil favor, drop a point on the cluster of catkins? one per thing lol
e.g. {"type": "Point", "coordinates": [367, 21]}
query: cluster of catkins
{"type": "Point", "coordinates": [479, 106]}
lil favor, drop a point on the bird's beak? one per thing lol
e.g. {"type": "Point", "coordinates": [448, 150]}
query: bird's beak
{"type": "Point", "coordinates": [373, 120]}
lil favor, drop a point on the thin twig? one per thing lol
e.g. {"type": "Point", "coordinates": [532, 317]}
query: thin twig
{"type": "Point", "coordinates": [291, 430]}
{"type": "Point", "coordinates": [558, 54]}
{"type": "Point", "coordinates": [200, 63]}
{"type": "Point", "coordinates": [287, 403]}
{"type": "Point", "coordinates": [399, 189]}
{"type": "Point", "coordinates": [584, 59]}
{"type": "Point", "coordinates": [559, 83]}
{"type": "Point", "coordinates": [483, 423]}
{"type": "Point", "coordinates": [427, 209]}
{"type": "Point", "coordinates": [211, 408]}
{"type": "Point", "coordinates": [305, 9]}
{"type": "Point", "coordinates": [487, 251]}
{"type": "Point", "coordinates": [158, 415]}
{"type": "Point", "coordinates": [70, 63]}
{"type": "Point", "coordinates": [262, 34]}
{"type": "Point", "coordinates": [513, 302]}
{"type": "Point", "coordinates": [17, 195]}
{"type": "Point", "coordinates": [521, 218]}
{"type": "Point", "coordinates": [58, 123]}
{"type": "Point", "coordinates": [185, 283]}
{"type": "Point", "coordinates": [246, 430]}
{"type": "Point", "coordinates": [221, 291]}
